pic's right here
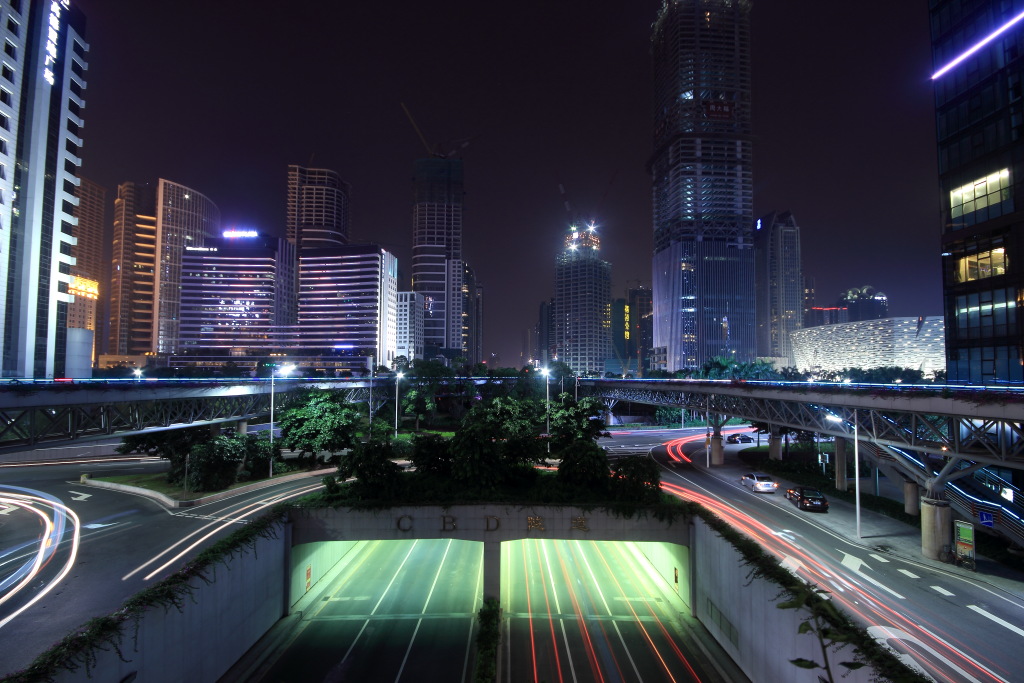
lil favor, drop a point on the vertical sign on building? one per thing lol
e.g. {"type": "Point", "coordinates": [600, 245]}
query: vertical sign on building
{"type": "Point", "coordinates": [964, 540]}
{"type": "Point", "coordinates": [52, 34]}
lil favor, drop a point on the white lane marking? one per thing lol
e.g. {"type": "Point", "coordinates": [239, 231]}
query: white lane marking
{"type": "Point", "coordinates": [792, 564]}
{"type": "Point", "coordinates": [97, 525]}
{"type": "Point", "coordinates": [908, 573]}
{"type": "Point", "coordinates": [883, 633]}
{"type": "Point", "coordinates": [855, 563]}
{"type": "Point", "coordinates": [7, 509]}
{"type": "Point", "coordinates": [877, 557]}
{"type": "Point", "coordinates": [80, 496]}
{"type": "Point", "coordinates": [1001, 622]}
{"type": "Point", "coordinates": [942, 591]}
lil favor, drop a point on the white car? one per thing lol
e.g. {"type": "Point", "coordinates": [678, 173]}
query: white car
{"type": "Point", "coordinates": [759, 481]}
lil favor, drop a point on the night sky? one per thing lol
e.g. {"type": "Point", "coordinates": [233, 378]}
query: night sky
{"type": "Point", "coordinates": [222, 96]}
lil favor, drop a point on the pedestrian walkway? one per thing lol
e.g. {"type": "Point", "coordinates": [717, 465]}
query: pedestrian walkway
{"type": "Point", "coordinates": [879, 533]}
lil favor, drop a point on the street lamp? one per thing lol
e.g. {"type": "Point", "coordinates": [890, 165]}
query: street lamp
{"type": "Point", "coordinates": [138, 373]}
{"type": "Point", "coordinates": [398, 378]}
{"type": "Point", "coordinates": [547, 402]}
{"type": "Point", "coordinates": [285, 370]}
{"type": "Point", "coordinates": [856, 462]}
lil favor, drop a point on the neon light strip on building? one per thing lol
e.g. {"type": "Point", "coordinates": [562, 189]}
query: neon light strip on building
{"type": "Point", "coordinates": [980, 44]}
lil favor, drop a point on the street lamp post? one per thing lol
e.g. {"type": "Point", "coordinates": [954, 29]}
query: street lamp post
{"type": "Point", "coordinates": [285, 370]}
{"type": "Point", "coordinates": [398, 378]}
{"type": "Point", "coordinates": [370, 424]}
{"type": "Point", "coordinates": [547, 402]}
{"type": "Point", "coordinates": [856, 463]}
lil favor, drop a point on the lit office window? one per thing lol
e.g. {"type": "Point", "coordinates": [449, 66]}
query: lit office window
{"type": "Point", "coordinates": [986, 194]}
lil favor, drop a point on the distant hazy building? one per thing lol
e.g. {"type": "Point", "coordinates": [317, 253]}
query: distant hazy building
{"type": "Point", "coordinates": [318, 208]}
{"type": "Point", "coordinates": [703, 266]}
{"type": "Point", "coordinates": [980, 127]}
{"type": "Point", "coordinates": [582, 303]}
{"type": "Point", "coordinates": [42, 96]}
{"type": "Point", "coordinates": [237, 296]}
{"type": "Point", "coordinates": [823, 315]}
{"type": "Point", "coordinates": [901, 342]}
{"type": "Point", "coordinates": [544, 352]}
{"type": "Point", "coordinates": [348, 306]}
{"type": "Point", "coordinates": [152, 228]}
{"type": "Point", "coordinates": [409, 333]}
{"type": "Point", "coordinates": [779, 285]}
{"type": "Point", "coordinates": [864, 303]}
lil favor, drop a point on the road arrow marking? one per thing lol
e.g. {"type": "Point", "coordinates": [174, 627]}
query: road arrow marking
{"type": "Point", "coordinates": [792, 564]}
{"type": "Point", "coordinates": [854, 564]}
{"type": "Point", "coordinates": [786, 534]}
{"type": "Point", "coordinates": [7, 509]}
{"type": "Point", "coordinates": [996, 619]}
{"type": "Point", "coordinates": [942, 591]}
{"type": "Point", "coordinates": [80, 496]}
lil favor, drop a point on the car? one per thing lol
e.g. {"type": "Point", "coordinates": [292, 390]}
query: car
{"type": "Point", "coordinates": [759, 481]}
{"type": "Point", "coordinates": [806, 498]}
{"type": "Point", "coordinates": [738, 438]}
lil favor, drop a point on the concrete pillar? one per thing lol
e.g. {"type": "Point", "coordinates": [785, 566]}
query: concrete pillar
{"type": "Point", "coordinates": [774, 446]}
{"type": "Point", "coordinates": [717, 450]}
{"type": "Point", "coordinates": [840, 465]}
{"type": "Point", "coordinates": [242, 427]}
{"type": "Point", "coordinates": [492, 570]}
{"type": "Point", "coordinates": [911, 498]}
{"type": "Point", "coordinates": [936, 527]}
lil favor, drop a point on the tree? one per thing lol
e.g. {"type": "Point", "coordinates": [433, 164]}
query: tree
{"type": "Point", "coordinates": [495, 439]}
{"type": "Point", "coordinates": [821, 615]}
{"type": "Point", "coordinates": [636, 479]}
{"type": "Point", "coordinates": [421, 403]}
{"type": "Point", "coordinates": [431, 454]}
{"type": "Point", "coordinates": [669, 415]}
{"type": "Point", "coordinates": [573, 421]}
{"type": "Point", "coordinates": [584, 464]}
{"type": "Point", "coordinates": [172, 444]}
{"type": "Point", "coordinates": [324, 423]}
{"type": "Point", "coordinates": [373, 468]}
{"type": "Point", "coordinates": [213, 464]}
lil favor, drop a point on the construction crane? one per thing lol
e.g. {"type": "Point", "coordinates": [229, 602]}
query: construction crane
{"type": "Point", "coordinates": [436, 152]}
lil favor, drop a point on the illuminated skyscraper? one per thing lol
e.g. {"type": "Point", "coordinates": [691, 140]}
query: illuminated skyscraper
{"type": "Point", "coordinates": [439, 273]}
{"type": "Point", "coordinates": [979, 106]}
{"type": "Point", "coordinates": [703, 266]}
{"type": "Point", "coordinates": [42, 88]}
{"type": "Point", "coordinates": [90, 276]}
{"type": "Point", "coordinates": [318, 208]}
{"type": "Point", "coordinates": [780, 293]}
{"type": "Point", "coordinates": [152, 228]}
{"type": "Point", "coordinates": [583, 334]}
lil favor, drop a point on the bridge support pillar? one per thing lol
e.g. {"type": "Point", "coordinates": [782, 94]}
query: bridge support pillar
{"type": "Point", "coordinates": [936, 527]}
{"type": "Point", "coordinates": [717, 450]}
{"type": "Point", "coordinates": [911, 498]}
{"type": "Point", "coordinates": [492, 569]}
{"type": "Point", "coordinates": [774, 446]}
{"type": "Point", "coordinates": [242, 427]}
{"type": "Point", "coordinates": [840, 465]}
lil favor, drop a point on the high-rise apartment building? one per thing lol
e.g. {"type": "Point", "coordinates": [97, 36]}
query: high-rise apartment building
{"type": "Point", "coordinates": [583, 336]}
{"type": "Point", "coordinates": [237, 296]}
{"type": "Point", "coordinates": [90, 276]}
{"type": "Point", "coordinates": [641, 326]}
{"type": "Point", "coordinates": [703, 266]}
{"type": "Point", "coordinates": [42, 88]}
{"type": "Point", "coordinates": [348, 305]}
{"type": "Point", "coordinates": [152, 228]}
{"type": "Point", "coordinates": [780, 294]}
{"type": "Point", "coordinates": [438, 270]}
{"type": "Point", "coordinates": [979, 106]}
{"type": "Point", "coordinates": [318, 208]}
{"type": "Point", "coordinates": [409, 333]}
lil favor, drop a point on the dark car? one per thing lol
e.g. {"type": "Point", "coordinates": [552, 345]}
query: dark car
{"type": "Point", "coordinates": [807, 498]}
{"type": "Point", "coordinates": [738, 438]}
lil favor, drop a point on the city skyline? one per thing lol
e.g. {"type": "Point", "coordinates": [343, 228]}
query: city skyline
{"type": "Point", "coordinates": [571, 105]}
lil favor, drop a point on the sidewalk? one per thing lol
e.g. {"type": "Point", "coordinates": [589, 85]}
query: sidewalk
{"type": "Point", "coordinates": [879, 533]}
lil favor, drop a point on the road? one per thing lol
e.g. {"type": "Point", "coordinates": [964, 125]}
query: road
{"type": "Point", "coordinates": [124, 543]}
{"type": "Point", "coordinates": [955, 625]}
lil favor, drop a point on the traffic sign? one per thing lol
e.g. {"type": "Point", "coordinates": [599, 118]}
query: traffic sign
{"type": "Point", "coordinates": [986, 518]}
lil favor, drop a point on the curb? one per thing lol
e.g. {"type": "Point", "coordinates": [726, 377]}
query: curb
{"type": "Point", "coordinates": [169, 502]}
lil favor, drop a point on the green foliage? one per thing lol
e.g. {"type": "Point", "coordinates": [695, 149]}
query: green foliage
{"type": "Point", "coordinates": [573, 421]}
{"type": "Point", "coordinates": [584, 464]}
{"type": "Point", "coordinates": [476, 455]}
{"type": "Point", "coordinates": [636, 479]}
{"type": "Point", "coordinates": [325, 423]}
{"type": "Point", "coordinates": [821, 618]}
{"type": "Point", "coordinates": [371, 464]}
{"type": "Point", "coordinates": [488, 640]}
{"type": "Point", "coordinates": [331, 486]}
{"type": "Point", "coordinates": [432, 455]}
{"type": "Point", "coordinates": [882, 375]}
{"type": "Point", "coordinates": [381, 430]}
{"type": "Point", "coordinates": [421, 403]}
{"type": "Point", "coordinates": [668, 415]}
{"type": "Point", "coordinates": [213, 464]}
{"type": "Point", "coordinates": [172, 444]}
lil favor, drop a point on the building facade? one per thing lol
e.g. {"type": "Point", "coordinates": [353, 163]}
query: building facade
{"type": "Point", "coordinates": [641, 327]}
{"type": "Point", "coordinates": [582, 303]}
{"type": "Point", "coordinates": [152, 227]}
{"type": "Point", "coordinates": [409, 331]}
{"type": "Point", "coordinates": [90, 276]}
{"type": "Point", "coordinates": [979, 107]}
{"type": "Point", "coordinates": [237, 296]}
{"type": "Point", "coordinates": [318, 208]}
{"type": "Point", "coordinates": [703, 266]}
{"type": "Point", "coordinates": [916, 343]}
{"type": "Point", "coordinates": [864, 303]}
{"type": "Point", "coordinates": [42, 95]}
{"type": "Point", "coordinates": [779, 278]}
{"type": "Point", "coordinates": [348, 306]}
